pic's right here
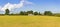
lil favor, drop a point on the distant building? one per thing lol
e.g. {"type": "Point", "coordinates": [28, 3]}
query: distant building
{"type": "Point", "coordinates": [30, 14]}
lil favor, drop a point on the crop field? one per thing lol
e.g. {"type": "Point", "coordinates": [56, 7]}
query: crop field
{"type": "Point", "coordinates": [29, 21]}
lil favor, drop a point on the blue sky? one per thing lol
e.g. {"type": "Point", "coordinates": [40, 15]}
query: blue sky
{"type": "Point", "coordinates": [37, 5]}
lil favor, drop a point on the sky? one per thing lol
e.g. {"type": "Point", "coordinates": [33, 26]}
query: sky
{"type": "Point", "coordinates": [15, 6]}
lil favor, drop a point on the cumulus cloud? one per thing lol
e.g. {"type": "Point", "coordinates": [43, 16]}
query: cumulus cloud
{"type": "Point", "coordinates": [13, 6]}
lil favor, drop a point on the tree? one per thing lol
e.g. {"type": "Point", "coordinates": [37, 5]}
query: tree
{"type": "Point", "coordinates": [47, 13]}
{"type": "Point", "coordinates": [25, 13]}
{"type": "Point", "coordinates": [21, 13]}
{"type": "Point", "coordinates": [39, 13]}
{"type": "Point", "coordinates": [7, 11]}
{"type": "Point", "coordinates": [11, 14]}
{"type": "Point", "coordinates": [30, 12]}
{"type": "Point", "coordinates": [35, 13]}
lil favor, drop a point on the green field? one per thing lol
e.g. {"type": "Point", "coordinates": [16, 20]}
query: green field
{"type": "Point", "coordinates": [29, 21]}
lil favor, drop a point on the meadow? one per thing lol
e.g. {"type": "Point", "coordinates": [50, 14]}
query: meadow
{"type": "Point", "coordinates": [29, 21]}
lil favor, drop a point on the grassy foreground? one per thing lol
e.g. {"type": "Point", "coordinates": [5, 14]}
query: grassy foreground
{"type": "Point", "coordinates": [29, 21]}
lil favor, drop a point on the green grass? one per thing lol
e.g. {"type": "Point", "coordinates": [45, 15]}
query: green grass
{"type": "Point", "coordinates": [29, 21]}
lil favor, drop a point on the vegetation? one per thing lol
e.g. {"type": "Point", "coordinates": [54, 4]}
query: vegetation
{"type": "Point", "coordinates": [7, 12]}
{"type": "Point", "coordinates": [48, 13]}
{"type": "Point", "coordinates": [29, 21]}
{"type": "Point", "coordinates": [30, 12]}
{"type": "Point", "coordinates": [21, 13]}
{"type": "Point", "coordinates": [57, 14]}
{"type": "Point", "coordinates": [39, 13]}
{"type": "Point", "coordinates": [36, 13]}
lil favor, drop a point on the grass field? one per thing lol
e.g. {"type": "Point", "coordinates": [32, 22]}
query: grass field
{"type": "Point", "coordinates": [29, 21]}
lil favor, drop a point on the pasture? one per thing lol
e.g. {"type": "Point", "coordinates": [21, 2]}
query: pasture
{"type": "Point", "coordinates": [29, 21]}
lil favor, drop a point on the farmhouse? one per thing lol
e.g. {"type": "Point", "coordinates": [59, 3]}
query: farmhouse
{"type": "Point", "coordinates": [30, 14]}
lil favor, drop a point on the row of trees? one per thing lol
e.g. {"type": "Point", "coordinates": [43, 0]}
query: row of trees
{"type": "Point", "coordinates": [29, 12]}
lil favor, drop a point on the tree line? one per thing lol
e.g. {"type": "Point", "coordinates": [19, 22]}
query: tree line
{"type": "Point", "coordinates": [28, 12]}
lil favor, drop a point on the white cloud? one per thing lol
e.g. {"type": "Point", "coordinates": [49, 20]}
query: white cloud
{"type": "Point", "coordinates": [13, 6]}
